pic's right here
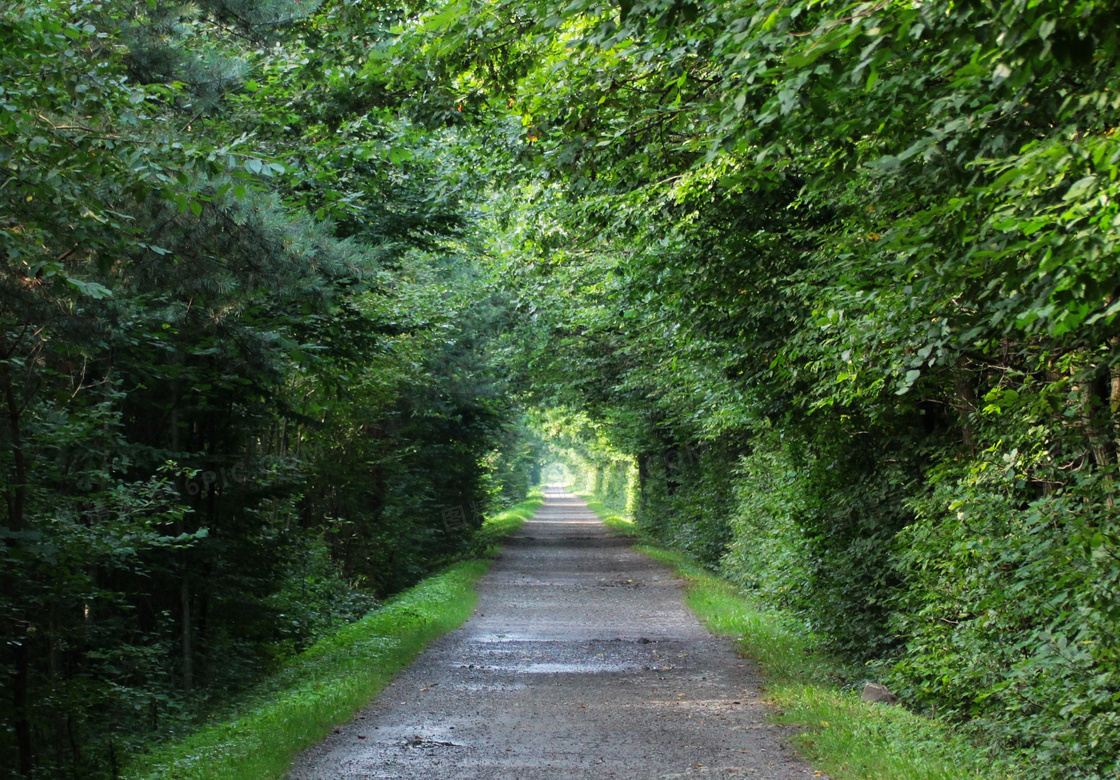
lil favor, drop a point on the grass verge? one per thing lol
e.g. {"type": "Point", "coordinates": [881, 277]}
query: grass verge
{"type": "Point", "coordinates": [842, 735]}
{"type": "Point", "coordinates": [613, 520]}
{"type": "Point", "coordinates": [327, 683]}
{"type": "Point", "coordinates": [488, 539]}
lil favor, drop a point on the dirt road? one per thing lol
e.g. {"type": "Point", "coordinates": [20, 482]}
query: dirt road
{"type": "Point", "coordinates": [581, 661]}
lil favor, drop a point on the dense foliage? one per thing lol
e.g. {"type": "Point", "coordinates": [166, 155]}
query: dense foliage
{"type": "Point", "coordinates": [245, 373]}
{"type": "Point", "coordinates": [857, 263]}
{"type": "Point", "coordinates": [826, 292]}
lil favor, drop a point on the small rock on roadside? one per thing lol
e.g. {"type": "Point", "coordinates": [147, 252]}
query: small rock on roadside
{"type": "Point", "coordinates": [879, 694]}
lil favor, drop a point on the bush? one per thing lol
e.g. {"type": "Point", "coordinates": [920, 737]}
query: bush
{"type": "Point", "coordinates": [1010, 610]}
{"type": "Point", "coordinates": [812, 531]}
{"type": "Point", "coordinates": [768, 554]}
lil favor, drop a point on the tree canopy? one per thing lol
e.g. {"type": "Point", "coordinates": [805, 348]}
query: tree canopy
{"type": "Point", "coordinates": [827, 292]}
{"type": "Point", "coordinates": [246, 368]}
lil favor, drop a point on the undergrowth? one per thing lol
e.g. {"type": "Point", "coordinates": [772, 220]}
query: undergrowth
{"type": "Point", "coordinates": [327, 683]}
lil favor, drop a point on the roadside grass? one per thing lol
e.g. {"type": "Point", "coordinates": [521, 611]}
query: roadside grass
{"type": "Point", "coordinates": [324, 686]}
{"type": "Point", "coordinates": [611, 519]}
{"type": "Point", "coordinates": [842, 735]}
{"type": "Point", "coordinates": [487, 541]}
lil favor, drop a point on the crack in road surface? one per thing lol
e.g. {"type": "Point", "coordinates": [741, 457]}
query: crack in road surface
{"type": "Point", "coordinates": [581, 660]}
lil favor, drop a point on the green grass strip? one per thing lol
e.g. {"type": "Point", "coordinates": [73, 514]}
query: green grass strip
{"type": "Point", "coordinates": [488, 539]}
{"type": "Point", "coordinates": [324, 686]}
{"type": "Point", "coordinates": [616, 522]}
{"type": "Point", "coordinates": [846, 737]}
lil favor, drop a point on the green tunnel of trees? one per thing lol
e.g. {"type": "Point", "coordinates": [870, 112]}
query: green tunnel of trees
{"type": "Point", "coordinates": [293, 291]}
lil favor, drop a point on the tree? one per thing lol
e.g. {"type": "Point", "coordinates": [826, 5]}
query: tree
{"type": "Point", "coordinates": [224, 267]}
{"type": "Point", "coordinates": [869, 243]}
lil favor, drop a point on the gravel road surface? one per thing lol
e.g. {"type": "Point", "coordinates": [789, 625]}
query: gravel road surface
{"type": "Point", "coordinates": [581, 661]}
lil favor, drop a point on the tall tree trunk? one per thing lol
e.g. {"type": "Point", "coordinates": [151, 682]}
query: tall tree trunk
{"type": "Point", "coordinates": [964, 400]}
{"type": "Point", "coordinates": [186, 651]}
{"type": "Point", "coordinates": [17, 508]}
{"type": "Point", "coordinates": [22, 722]}
{"type": "Point", "coordinates": [643, 474]}
{"type": "Point", "coordinates": [17, 491]}
{"type": "Point", "coordinates": [185, 610]}
{"type": "Point", "coordinates": [1097, 414]}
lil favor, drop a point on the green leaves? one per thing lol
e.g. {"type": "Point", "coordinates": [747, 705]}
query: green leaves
{"type": "Point", "coordinates": [873, 222]}
{"type": "Point", "coordinates": [225, 244]}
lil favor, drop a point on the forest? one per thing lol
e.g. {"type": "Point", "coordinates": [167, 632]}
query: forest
{"type": "Point", "coordinates": [294, 292]}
